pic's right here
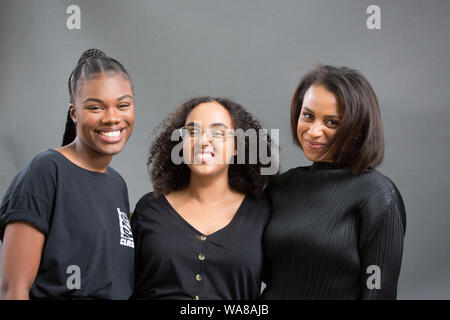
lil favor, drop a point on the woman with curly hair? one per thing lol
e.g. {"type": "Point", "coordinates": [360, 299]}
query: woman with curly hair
{"type": "Point", "coordinates": [198, 234]}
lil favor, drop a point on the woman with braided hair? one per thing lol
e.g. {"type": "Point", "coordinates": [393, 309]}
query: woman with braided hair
{"type": "Point", "coordinates": [64, 218]}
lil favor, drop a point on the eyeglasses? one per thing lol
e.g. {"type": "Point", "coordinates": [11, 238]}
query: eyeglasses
{"type": "Point", "coordinates": [216, 134]}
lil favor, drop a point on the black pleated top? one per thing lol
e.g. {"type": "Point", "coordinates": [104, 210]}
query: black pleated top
{"type": "Point", "coordinates": [176, 261]}
{"type": "Point", "coordinates": [334, 235]}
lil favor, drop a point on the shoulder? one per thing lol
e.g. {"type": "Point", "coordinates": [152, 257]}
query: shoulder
{"type": "Point", "coordinates": [260, 201]}
{"type": "Point", "coordinates": [284, 177]}
{"type": "Point", "coordinates": [34, 186]}
{"type": "Point", "coordinates": [149, 209]}
{"type": "Point", "coordinates": [375, 184]}
{"type": "Point", "coordinates": [42, 168]}
{"type": "Point", "coordinates": [260, 205]}
{"type": "Point", "coordinates": [380, 196]}
{"type": "Point", "coordinates": [45, 161]}
{"type": "Point", "coordinates": [146, 202]}
{"type": "Point", "coordinates": [116, 177]}
{"type": "Point", "coordinates": [285, 183]}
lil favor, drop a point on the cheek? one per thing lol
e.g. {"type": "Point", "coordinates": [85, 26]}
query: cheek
{"type": "Point", "coordinates": [302, 127]}
{"type": "Point", "coordinates": [225, 150]}
{"type": "Point", "coordinates": [329, 133]}
{"type": "Point", "coordinates": [85, 122]}
{"type": "Point", "coordinates": [188, 147]}
{"type": "Point", "coordinates": [129, 117]}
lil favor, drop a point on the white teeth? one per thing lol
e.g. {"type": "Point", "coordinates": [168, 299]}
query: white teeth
{"type": "Point", "coordinates": [113, 134]}
{"type": "Point", "coordinates": [204, 157]}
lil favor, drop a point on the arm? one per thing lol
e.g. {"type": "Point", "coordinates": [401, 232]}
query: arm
{"type": "Point", "coordinates": [383, 231]}
{"type": "Point", "coordinates": [21, 256]}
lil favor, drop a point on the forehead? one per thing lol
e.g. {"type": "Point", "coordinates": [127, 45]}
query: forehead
{"type": "Point", "coordinates": [322, 101]}
{"type": "Point", "coordinates": [209, 113]}
{"type": "Point", "coordinates": [104, 87]}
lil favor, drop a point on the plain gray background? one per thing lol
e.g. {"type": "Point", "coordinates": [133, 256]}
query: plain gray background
{"type": "Point", "coordinates": [255, 52]}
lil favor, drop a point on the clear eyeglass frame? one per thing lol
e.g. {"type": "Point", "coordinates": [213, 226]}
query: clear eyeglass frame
{"type": "Point", "coordinates": [215, 134]}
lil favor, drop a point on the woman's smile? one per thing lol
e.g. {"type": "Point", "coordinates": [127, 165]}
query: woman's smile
{"type": "Point", "coordinates": [314, 145]}
{"type": "Point", "coordinates": [205, 156]}
{"type": "Point", "coordinates": [113, 135]}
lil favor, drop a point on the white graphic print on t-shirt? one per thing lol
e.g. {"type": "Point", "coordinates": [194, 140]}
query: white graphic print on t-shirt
{"type": "Point", "coordinates": [126, 236]}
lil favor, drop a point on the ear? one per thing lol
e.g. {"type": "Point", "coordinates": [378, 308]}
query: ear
{"type": "Point", "coordinates": [73, 113]}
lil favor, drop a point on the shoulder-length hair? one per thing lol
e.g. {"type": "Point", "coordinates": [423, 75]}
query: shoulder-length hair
{"type": "Point", "coordinates": [167, 176]}
{"type": "Point", "coordinates": [359, 141]}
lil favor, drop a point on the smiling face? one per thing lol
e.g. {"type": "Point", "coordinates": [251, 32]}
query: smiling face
{"type": "Point", "coordinates": [208, 150]}
{"type": "Point", "coordinates": [104, 113]}
{"type": "Point", "coordinates": [319, 120]}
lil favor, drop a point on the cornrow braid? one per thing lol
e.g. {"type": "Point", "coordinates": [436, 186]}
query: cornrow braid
{"type": "Point", "coordinates": [91, 63]}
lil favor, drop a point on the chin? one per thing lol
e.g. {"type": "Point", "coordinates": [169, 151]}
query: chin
{"type": "Point", "coordinates": [204, 170]}
{"type": "Point", "coordinates": [310, 157]}
{"type": "Point", "coordinates": [110, 151]}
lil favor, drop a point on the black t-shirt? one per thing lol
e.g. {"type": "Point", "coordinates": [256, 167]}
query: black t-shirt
{"type": "Point", "coordinates": [176, 261]}
{"type": "Point", "coordinates": [89, 247]}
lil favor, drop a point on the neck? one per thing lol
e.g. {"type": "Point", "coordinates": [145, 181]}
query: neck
{"type": "Point", "coordinates": [87, 158]}
{"type": "Point", "coordinates": [209, 190]}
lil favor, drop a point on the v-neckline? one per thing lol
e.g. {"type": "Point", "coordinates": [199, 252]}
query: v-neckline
{"type": "Point", "coordinates": [185, 222]}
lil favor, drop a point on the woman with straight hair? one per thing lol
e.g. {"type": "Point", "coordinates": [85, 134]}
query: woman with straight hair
{"type": "Point", "coordinates": [337, 226]}
{"type": "Point", "coordinates": [64, 218]}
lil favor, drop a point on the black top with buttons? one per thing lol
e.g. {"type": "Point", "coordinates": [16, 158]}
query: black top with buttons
{"type": "Point", "coordinates": [176, 261]}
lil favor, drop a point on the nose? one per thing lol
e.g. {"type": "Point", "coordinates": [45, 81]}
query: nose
{"type": "Point", "coordinates": [111, 115]}
{"type": "Point", "coordinates": [315, 130]}
{"type": "Point", "coordinates": [206, 138]}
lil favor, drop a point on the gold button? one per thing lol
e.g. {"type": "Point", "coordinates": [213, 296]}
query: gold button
{"type": "Point", "coordinates": [198, 277]}
{"type": "Point", "coordinates": [196, 298]}
{"type": "Point", "coordinates": [203, 238]}
{"type": "Point", "coordinates": [201, 257]}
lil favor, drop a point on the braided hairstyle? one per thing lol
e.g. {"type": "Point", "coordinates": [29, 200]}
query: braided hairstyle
{"type": "Point", "coordinates": [91, 63]}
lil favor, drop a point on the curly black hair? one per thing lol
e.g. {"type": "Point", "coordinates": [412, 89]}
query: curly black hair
{"type": "Point", "coordinates": [167, 176]}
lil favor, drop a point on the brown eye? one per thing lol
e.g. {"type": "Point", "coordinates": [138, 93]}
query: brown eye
{"type": "Point", "coordinates": [307, 116]}
{"type": "Point", "coordinates": [332, 123]}
{"type": "Point", "coordinates": [218, 133]}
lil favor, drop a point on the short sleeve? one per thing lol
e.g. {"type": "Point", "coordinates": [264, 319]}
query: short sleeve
{"type": "Point", "coordinates": [30, 196]}
{"type": "Point", "coordinates": [382, 234]}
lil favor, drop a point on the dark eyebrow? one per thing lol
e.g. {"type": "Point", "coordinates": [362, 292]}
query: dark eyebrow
{"type": "Point", "coordinates": [93, 99]}
{"type": "Point", "coordinates": [125, 96]}
{"type": "Point", "coordinates": [192, 124]}
{"type": "Point", "coordinates": [218, 124]}
{"type": "Point", "coordinates": [327, 116]}
{"type": "Point", "coordinates": [215, 124]}
{"type": "Point", "coordinates": [333, 117]}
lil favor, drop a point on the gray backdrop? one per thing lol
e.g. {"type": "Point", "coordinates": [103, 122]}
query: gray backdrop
{"type": "Point", "coordinates": [254, 52]}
